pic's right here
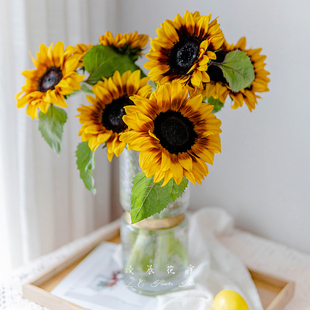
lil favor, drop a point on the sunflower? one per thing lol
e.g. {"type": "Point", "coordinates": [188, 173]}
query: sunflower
{"type": "Point", "coordinates": [176, 135]}
{"type": "Point", "coordinates": [102, 120]}
{"type": "Point", "coordinates": [54, 78]}
{"type": "Point", "coordinates": [80, 51]}
{"type": "Point", "coordinates": [183, 49]}
{"type": "Point", "coordinates": [219, 88]}
{"type": "Point", "coordinates": [128, 43]}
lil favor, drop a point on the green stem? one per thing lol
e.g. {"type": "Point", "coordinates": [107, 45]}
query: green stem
{"type": "Point", "coordinates": [157, 248]}
{"type": "Point", "coordinates": [162, 251]}
{"type": "Point", "coordinates": [143, 251]}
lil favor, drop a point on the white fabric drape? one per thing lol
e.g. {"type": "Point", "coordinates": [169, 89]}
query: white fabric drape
{"type": "Point", "coordinates": [43, 202]}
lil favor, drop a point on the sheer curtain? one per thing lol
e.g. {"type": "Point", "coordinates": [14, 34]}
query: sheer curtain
{"type": "Point", "coordinates": [43, 202]}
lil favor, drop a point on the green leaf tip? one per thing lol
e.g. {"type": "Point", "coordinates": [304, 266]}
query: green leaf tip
{"type": "Point", "coordinates": [85, 89]}
{"type": "Point", "coordinates": [51, 126]}
{"type": "Point", "coordinates": [85, 160]}
{"type": "Point", "coordinates": [217, 103]}
{"type": "Point", "coordinates": [238, 70]}
{"type": "Point", "coordinates": [152, 84]}
{"type": "Point", "coordinates": [149, 198]}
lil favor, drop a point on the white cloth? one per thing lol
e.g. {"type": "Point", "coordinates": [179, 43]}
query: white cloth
{"type": "Point", "coordinates": [43, 202]}
{"type": "Point", "coordinates": [192, 299]}
{"type": "Point", "coordinates": [215, 267]}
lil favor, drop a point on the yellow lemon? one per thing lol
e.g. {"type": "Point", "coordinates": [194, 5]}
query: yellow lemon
{"type": "Point", "coordinates": [229, 300]}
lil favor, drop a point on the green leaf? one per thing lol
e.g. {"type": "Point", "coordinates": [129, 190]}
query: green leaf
{"type": "Point", "coordinates": [51, 126]}
{"type": "Point", "coordinates": [152, 84]}
{"type": "Point", "coordinates": [238, 70]}
{"type": "Point", "coordinates": [81, 70]}
{"type": "Point", "coordinates": [148, 198]}
{"type": "Point", "coordinates": [142, 74]}
{"type": "Point", "coordinates": [85, 89]}
{"type": "Point", "coordinates": [102, 61]}
{"type": "Point", "coordinates": [85, 160]}
{"type": "Point", "coordinates": [217, 103]}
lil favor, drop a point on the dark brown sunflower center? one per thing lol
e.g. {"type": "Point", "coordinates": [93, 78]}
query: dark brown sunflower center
{"type": "Point", "coordinates": [215, 72]}
{"type": "Point", "coordinates": [175, 132]}
{"type": "Point", "coordinates": [112, 116]}
{"type": "Point", "coordinates": [49, 79]}
{"type": "Point", "coordinates": [184, 54]}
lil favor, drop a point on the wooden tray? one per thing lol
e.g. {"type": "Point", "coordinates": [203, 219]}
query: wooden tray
{"type": "Point", "coordinates": [275, 293]}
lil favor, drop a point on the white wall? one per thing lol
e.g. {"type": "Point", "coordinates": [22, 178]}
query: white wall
{"type": "Point", "coordinates": [262, 176]}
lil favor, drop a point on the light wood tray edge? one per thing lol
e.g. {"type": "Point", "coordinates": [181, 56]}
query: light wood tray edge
{"type": "Point", "coordinates": [286, 288]}
{"type": "Point", "coordinates": [33, 292]}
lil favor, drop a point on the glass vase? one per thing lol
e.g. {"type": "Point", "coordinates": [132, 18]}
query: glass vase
{"type": "Point", "coordinates": [155, 250]}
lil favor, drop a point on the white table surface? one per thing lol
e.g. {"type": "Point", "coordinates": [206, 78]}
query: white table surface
{"type": "Point", "coordinates": [257, 253]}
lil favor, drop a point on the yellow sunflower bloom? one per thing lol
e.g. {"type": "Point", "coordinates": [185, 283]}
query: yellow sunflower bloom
{"type": "Point", "coordinates": [80, 51]}
{"type": "Point", "coordinates": [54, 78]}
{"type": "Point", "coordinates": [102, 120]}
{"type": "Point", "coordinates": [176, 135]}
{"type": "Point", "coordinates": [183, 49]}
{"type": "Point", "coordinates": [219, 88]}
{"type": "Point", "coordinates": [130, 43]}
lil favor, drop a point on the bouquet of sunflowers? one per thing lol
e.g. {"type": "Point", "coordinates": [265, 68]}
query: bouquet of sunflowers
{"type": "Point", "coordinates": [167, 115]}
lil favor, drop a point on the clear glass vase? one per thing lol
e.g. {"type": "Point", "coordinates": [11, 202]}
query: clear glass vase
{"type": "Point", "coordinates": [155, 250]}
